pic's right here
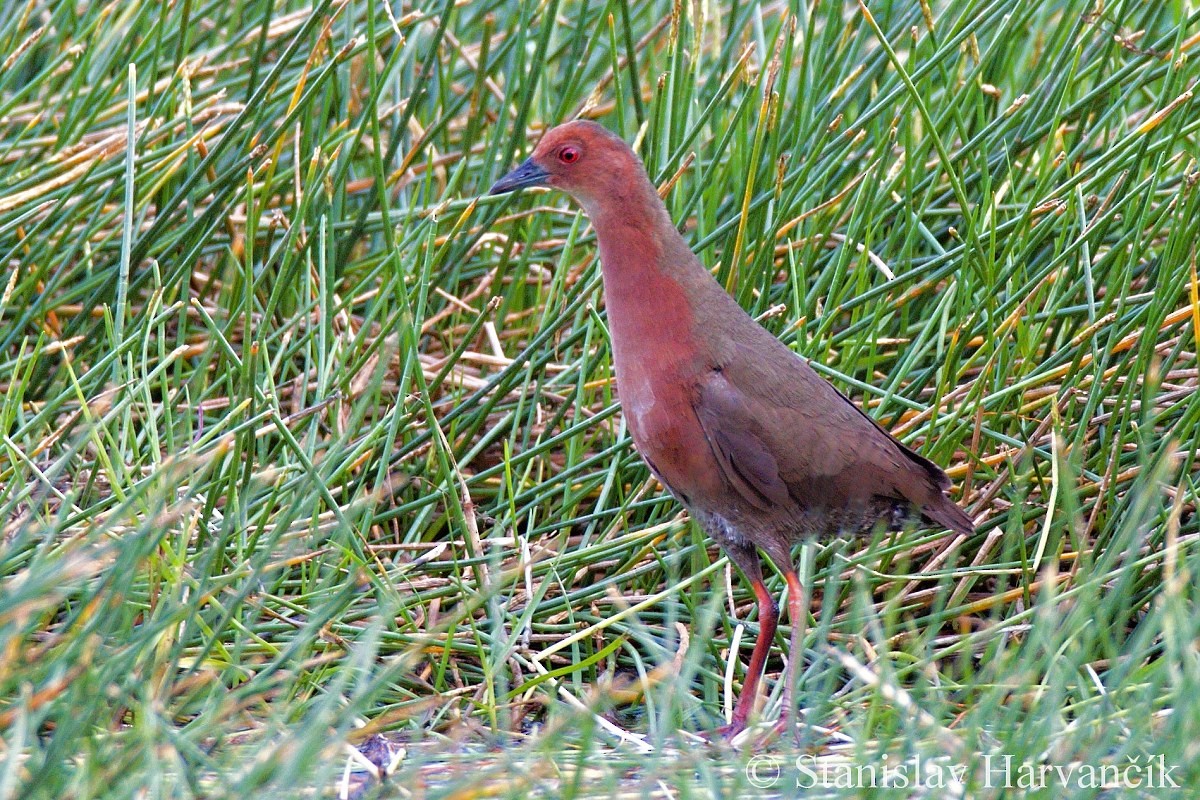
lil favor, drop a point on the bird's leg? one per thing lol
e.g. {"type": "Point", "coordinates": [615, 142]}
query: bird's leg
{"type": "Point", "coordinates": [798, 618]}
{"type": "Point", "coordinates": [745, 556]}
{"type": "Point", "coordinates": [768, 619]}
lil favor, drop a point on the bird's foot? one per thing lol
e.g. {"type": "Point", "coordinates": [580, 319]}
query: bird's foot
{"type": "Point", "coordinates": [727, 732]}
{"type": "Point", "coordinates": [778, 731]}
{"type": "Point", "coordinates": [751, 738]}
{"type": "Point", "coordinates": [787, 725]}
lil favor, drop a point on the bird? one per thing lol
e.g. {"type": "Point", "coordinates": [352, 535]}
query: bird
{"type": "Point", "coordinates": [762, 451]}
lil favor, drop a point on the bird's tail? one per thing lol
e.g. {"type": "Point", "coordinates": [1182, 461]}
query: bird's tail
{"type": "Point", "coordinates": [945, 512]}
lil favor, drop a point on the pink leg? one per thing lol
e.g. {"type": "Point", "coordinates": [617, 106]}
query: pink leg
{"type": "Point", "coordinates": [798, 618]}
{"type": "Point", "coordinates": [768, 619]}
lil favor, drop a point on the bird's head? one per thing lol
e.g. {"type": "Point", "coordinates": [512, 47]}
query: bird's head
{"type": "Point", "coordinates": [581, 158]}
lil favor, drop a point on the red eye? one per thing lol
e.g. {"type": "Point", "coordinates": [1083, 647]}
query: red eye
{"type": "Point", "coordinates": [568, 155]}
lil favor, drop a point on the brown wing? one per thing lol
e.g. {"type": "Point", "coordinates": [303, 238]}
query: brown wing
{"type": "Point", "coordinates": [734, 434]}
{"type": "Point", "coordinates": [780, 431]}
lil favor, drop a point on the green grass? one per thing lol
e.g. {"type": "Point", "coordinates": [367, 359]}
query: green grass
{"type": "Point", "coordinates": [303, 442]}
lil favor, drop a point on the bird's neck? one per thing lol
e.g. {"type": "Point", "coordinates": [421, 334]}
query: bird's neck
{"type": "Point", "coordinates": [652, 281]}
{"type": "Point", "coordinates": [639, 245]}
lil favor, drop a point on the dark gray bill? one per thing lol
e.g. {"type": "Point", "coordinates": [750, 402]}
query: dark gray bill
{"type": "Point", "coordinates": [528, 174]}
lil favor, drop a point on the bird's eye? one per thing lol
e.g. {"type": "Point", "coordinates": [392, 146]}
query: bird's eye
{"type": "Point", "coordinates": [568, 155]}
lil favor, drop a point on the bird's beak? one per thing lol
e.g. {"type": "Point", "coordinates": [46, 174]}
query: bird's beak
{"type": "Point", "coordinates": [526, 175]}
